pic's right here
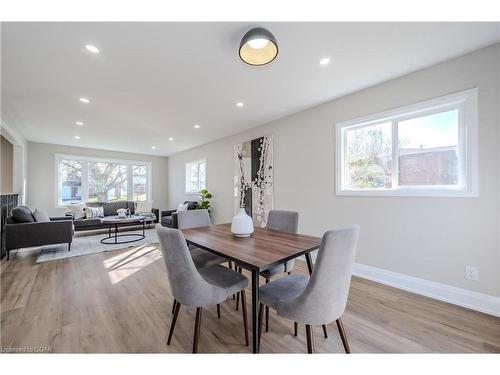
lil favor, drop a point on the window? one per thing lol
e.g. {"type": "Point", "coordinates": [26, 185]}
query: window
{"type": "Point", "coordinates": [195, 176]}
{"type": "Point", "coordinates": [83, 179]}
{"type": "Point", "coordinates": [428, 149]}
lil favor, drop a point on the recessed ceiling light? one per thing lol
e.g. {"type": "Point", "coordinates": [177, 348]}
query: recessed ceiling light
{"type": "Point", "coordinates": [85, 100]}
{"type": "Point", "coordinates": [79, 123]}
{"type": "Point", "coordinates": [196, 126]}
{"type": "Point", "coordinates": [153, 147]}
{"type": "Point", "coordinates": [239, 104]}
{"type": "Point", "coordinates": [76, 137]}
{"type": "Point", "coordinates": [92, 48]}
{"type": "Point", "coordinates": [170, 139]}
{"type": "Point", "coordinates": [324, 61]}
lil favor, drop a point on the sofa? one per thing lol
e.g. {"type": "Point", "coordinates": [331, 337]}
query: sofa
{"type": "Point", "coordinates": [169, 217]}
{"type": "Point", "coordinates": [109, 209]}
{"type": "Point", "coordinates": [22, 230]}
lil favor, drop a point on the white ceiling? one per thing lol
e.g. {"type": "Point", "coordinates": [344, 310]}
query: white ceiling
{"type": "Point", "coordinates": [153, 81]}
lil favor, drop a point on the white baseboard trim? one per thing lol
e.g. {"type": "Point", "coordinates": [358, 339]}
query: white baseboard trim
{"type": "Point", "coordinates": [484, 303]}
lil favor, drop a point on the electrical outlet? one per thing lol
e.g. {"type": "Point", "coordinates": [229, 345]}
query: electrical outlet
{"type": "Point", "coordinates": [471, 273]}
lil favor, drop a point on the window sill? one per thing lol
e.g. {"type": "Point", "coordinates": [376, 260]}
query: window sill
{"type": "Point", "coordinates": [409, 193]}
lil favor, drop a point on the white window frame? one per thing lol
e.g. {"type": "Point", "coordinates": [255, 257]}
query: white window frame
{"type": "Point", "coordinates": [468, 184]}
{"type": "Point", "coordinates": [186, 177]}
{"type": "Point", "coordinates": [88, 159]}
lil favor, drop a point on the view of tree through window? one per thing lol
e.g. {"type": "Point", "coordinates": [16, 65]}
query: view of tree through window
{"type": "Point", "coordinates": [139, 182]}
{"type": "Point", "coordinates": [107, 182]}
{"type": "Point", "coordinates": [423, 149]}
{"type": "Point", "coordinates": [80, 179]}
{"type": "Point", "coordinates": [369, 157]}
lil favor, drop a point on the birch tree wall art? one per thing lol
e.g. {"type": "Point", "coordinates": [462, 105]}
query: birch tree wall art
{"type": "Point", "coordinates": [253, 178]}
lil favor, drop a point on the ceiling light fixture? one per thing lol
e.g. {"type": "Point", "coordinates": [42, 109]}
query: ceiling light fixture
{"type": "Point", "coordinates": [170, 139]}
{"type": "Point", "coordinates": [153, 147]}
{"type": "Point", "coordinates": [79, 123]}
{"type": "Point", "coordinates": [92, 48]}
{"type": "Point", "coordinates": [76, 137]}
{"type": "Point", "coordinates": [324, 61]}
{"type": "Point", "coordinates": [239, 104]}
{"type": "Point", "coordinates": [196, 126]}
{"type": "Point", "coordinates": [85, 100]}
{"type": "Point", "coordinates": [258, 47]}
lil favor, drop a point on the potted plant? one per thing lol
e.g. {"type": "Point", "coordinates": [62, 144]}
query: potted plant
{"type": "Point", "coordinates": [204, 203]}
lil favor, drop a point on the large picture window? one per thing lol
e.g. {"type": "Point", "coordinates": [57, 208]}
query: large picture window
{"type": "Point", "coordinates": [83, 179]}
{"type": "Point", "coordinates": [428, 149]}
{"type": "Point", "coordinates": [195, 176]}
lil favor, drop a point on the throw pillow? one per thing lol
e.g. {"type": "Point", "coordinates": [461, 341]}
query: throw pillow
{"type": "Point", "coordinates": [93, 212]}
{"type": "Point", "coordinates": [40, 216]}
{"type": "Point", "coordinates": [143, 206]}
{"type": "Point", "coordinates": [77, 210]}
{"type": "Point", "coordinates": [22, 214]}
{"type": "Point", "coordinates": [182, 207]}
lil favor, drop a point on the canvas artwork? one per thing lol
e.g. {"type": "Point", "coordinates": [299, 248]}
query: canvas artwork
{"type": "Point", "coordinates": [253, 178]}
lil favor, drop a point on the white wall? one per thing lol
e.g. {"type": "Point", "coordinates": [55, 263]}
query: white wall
{"type": "Point", "coordinates": [41, 173]}
{"type": "Point", "coordinates": [428, 238]}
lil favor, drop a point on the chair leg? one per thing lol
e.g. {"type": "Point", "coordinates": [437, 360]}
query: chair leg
{"type": "Point", "coordinates": [261, 313]}
{"type": "Point", "coordinates": [267, 312]}
{"type": "Point", "coordinates": [69, 246]}
{"type": "Point", "coordinates": [240, 270]}
{"type": "Point", "coordinates": [310, 339]}
{"type": "Point", "coordinates": [218, 310]}
{"type": "Point", "coordinates": [244, 308]}
{"type": "Point", "coordinates": [343, 335]}
{"type": "Point", "coordinates": [325, 332]}
{"type": "Point", "coordinates": [173, 306]}
{"type": "Point", "coordinates": [197, 327]}
{"type": "Point", "coordinates": [177, 306]}
{"type": "Point", "coordinates": [295, 328]}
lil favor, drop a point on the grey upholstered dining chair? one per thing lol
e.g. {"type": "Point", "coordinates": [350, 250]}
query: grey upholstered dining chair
{"type": "Point", "coordinates": [196, 219]}
{"type": "Point", "coordinates": [285, 221]}
{"type": "Point", "coordinates": [192, 287]}
{"type": "Point", "coordinates": [322, 298]}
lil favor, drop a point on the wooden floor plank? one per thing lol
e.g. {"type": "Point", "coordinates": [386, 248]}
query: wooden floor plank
{"type": "Point", "coordinates": [119, 302]}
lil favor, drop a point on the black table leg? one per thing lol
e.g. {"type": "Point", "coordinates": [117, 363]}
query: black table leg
{"type": "Point", "coordinates": [309, 263]}
{"type": "Point", "coordinates": [255, 310]}
{"type": "Point", "coordinates": [143, 228]}
{"type": "Point", "coordinates": [116, 233]}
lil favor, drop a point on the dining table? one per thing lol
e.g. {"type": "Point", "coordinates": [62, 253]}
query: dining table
{"type": "Point", "coordinates": [263, 249]}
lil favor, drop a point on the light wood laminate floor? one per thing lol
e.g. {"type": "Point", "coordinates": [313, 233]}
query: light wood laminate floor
{"type": "Point", "coordinates": [119, 302]}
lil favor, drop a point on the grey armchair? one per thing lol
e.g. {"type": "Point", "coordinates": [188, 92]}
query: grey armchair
{"type": "Point", "coordinates": [194, 287]}
{"type": "Point", "coordinates": [168, 218]}
{"type": "Point", "coordinates": [30, 234]}
{"type": "Point", "coordinates": [322, 298]}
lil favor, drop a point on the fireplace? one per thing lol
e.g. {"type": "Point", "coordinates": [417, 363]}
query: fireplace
{"type": "Point", "coordinates": [7, 203]}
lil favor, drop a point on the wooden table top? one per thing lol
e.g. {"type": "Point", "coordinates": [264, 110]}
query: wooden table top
{"type": "Point", "coordinates": [262, 250]}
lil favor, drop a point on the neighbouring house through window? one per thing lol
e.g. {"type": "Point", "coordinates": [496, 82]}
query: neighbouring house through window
{"type": "Point", "coordinates": [427, 149]}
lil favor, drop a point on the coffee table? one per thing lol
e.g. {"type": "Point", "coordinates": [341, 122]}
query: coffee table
{"type": "Point", "coordinates": [115, 221]}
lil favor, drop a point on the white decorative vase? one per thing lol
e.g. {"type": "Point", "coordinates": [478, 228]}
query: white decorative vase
{"type": "Point", "coordinates": [242, 224]}
{"type": "Point", "coordinates": [122, 213]}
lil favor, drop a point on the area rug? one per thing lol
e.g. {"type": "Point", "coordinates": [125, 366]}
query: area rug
{"type": "Point", "coordinates": [84, 245]}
